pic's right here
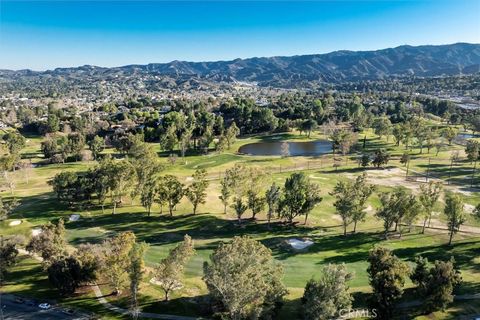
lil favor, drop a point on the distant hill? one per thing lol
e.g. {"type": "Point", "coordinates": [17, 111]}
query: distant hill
{"type": "Point", "coordinates": [334, 67]}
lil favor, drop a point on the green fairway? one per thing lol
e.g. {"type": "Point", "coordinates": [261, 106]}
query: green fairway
{"type": "Point", "coordinates": [210, 226]}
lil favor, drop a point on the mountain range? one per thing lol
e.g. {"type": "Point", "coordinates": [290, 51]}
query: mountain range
{"type": "Point", "coordinates": [334, 67]}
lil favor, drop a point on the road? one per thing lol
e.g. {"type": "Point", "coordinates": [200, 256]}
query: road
{"type": "Point", "coordinates": [14, 311]}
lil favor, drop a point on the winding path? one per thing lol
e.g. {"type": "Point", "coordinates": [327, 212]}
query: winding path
{"type": "Point", "coordinates": [116, 309]}
{"type": "Point", "coordinates": [111, 307]}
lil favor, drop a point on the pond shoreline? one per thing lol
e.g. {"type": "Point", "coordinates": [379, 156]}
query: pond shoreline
{"type": "Point", "coordinates": [290, 148]}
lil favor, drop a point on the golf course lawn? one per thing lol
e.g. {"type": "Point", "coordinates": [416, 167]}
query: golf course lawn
{"type": "Point", "coordinates": [210, 226]}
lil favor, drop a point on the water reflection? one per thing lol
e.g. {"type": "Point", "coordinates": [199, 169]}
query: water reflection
{"type": "Point", "coordinates": [307, 148]}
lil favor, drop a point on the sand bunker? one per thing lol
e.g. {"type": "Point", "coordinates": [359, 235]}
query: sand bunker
{"type": "Point", "coordinates": [299, 244]}
{"type": "Point", "coordinates": [36, 231]}
{"type": "Point", "coordinates": [74, 217]}
{"type": "Point", "coordinates": [15, 223]}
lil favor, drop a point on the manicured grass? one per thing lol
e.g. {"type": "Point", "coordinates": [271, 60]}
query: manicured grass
{"type": "Point", "coordinates": [211, 227]}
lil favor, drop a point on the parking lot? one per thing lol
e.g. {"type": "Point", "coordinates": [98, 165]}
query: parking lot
{"type": "Point", "coordinates": [18, 308]}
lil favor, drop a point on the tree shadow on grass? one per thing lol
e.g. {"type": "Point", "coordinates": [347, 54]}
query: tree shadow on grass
{"type": "Point", "coordinates": [41, 206]}
{"type": "Point", "coordinates": [464, 252]}
{"type": "Point", "coordinates": [184, 306]}
{"type": "Point", "coordinates": [163, 229]}
{"type": "Point", "coordinates": [352, 248]}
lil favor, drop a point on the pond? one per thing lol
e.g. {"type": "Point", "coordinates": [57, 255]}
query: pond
{"type": "Point", "coordinates": [466, 136]}
{"type": "Point", "coordinates": [307, 148]}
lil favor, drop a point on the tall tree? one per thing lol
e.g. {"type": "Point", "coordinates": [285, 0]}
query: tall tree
{"type": "Point", "coordinates": [382, 126]}
{"type": "Point", "coordinates": [50, 243]}
{"type": "Point", "coordinates": [121, 175]}
{"type": "Point", "coordinates": [429, 194]}
{"type": "Point", "coordinates": [8, 257]}
{"type": "Point", "coordinates": [231, 134]}
{"type": "Point", "coordinates": [115, 259]}
{"type": "Point", "coordinates": [300, 196]}
{"type": "Point", "coordinates": [148, 194]}
{"type": "Point", "coordinates": [351, 198]}
{"type": "Point", "coordinates": [386, 275]}
{"type": "Point", "coordinates": [362, 191]}
{"type": "Point", "coordinates": [272, 197]}
{"type": "Point", "coordinates": [380, 158]}
{"type": "Point", "coordinates": [450, 133]}
{"type": "Point", "coordinates": [96, 145]}
{"type": "Point", "coordinates": [328, 296]}
{"type": "Point", "coordinates": [145, 163]}
{"type": "Point", "coordinates": [344, 203]}
{"type": "Point", "coordinates": [225, 192]}
{"type": "Point", "coordinates": [196, 192]}
{"type": "Point", "coordinates": [397, 132]}
{"type": "Point", "coordinates": [239, 207]}
{"type": "Point", "coordinates": [173, 191]}
{"type": "Point", "coordinates": [388, 210]}
{"type": "Point", "coordinates": [245, 277]}
{"type": "Point", "coordinates": [168, 272]}
{"type": "Point", "coordinates": [65, 273]}
{"type": "Point", "coordinates": [15, 142]}
{"type": "Point", "coordinates": [255, 202]}
{"type": "Point", "coordinates": [136, 271]}
{"type": "Point", "coordinates": [455, 214]}
{"type": "Point", "coordinates": [234, 182]}
{"type": "Point", "coordinates": [435, 284]}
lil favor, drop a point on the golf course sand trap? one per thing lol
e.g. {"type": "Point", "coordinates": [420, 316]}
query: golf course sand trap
{"type": "Point", "coordinates": [36, 231]}
{"type": "Point", "coordinates": [299, 244]}
{"type": "Point", "coordinates": [15, 223]}
{"type": "Point", "coordinates": [74, 217]}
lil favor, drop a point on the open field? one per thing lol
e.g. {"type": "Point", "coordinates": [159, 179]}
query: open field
{"type": "Point", "coordinates": [210, 226]}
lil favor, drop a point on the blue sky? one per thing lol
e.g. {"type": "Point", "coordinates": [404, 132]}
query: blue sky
{"type": "Point", "coordinates": [43, 35]}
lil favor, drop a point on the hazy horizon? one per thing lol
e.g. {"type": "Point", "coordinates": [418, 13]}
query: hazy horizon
{"type": "Point", "coordinates": [243, 58]}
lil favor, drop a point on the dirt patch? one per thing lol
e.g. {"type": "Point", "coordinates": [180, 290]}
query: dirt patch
{"type": "Point", "coordinates": [315, 177]}
{"type": "Point", "coordinates": [435, 223]}
{"type": "Point", "coordinates": [469, 208]}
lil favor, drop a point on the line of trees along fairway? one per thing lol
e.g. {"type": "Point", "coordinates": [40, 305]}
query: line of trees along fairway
{"type": "Point", "coordinates": [351, 199]}
{"type": "Point", "coordinates": [398, 207]}
{"type": "Point", "coordinates": [245, 185]}
{"type": "Point", "coordinates": [136, 176]}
